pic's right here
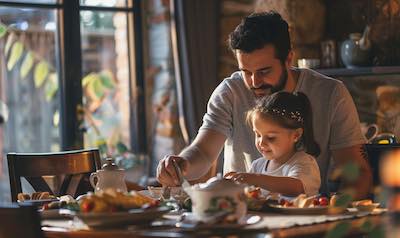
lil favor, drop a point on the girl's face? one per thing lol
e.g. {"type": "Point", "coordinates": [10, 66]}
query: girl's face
{"type": "Point", "coordinates": [274, 141]}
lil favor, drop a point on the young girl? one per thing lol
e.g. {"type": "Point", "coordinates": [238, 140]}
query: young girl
{"type": "Point", "coordinates": [282, 124]}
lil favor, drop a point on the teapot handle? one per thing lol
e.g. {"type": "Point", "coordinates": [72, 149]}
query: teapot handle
{"type": "Point", "coordinates": [92, 178]}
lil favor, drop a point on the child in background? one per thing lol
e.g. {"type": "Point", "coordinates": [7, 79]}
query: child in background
{"type": "Point", "coordinates": [282, 124]}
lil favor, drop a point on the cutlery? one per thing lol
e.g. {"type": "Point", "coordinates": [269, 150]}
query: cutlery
{"type": "Point", "coordinates": [166, 192]}
{"type": "Point", "coordinates": [184, 183]}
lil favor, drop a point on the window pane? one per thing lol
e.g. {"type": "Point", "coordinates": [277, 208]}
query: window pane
{"type": "Point", "coordinates": [33, 1]}
{"type": "Point", "coordinates": [106, 86]}
{"type": "Point", "coordinates": [104, 3]}
{"type": "Point", "coordinates": [29, 82]}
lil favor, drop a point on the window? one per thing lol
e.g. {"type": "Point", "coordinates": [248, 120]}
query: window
{"type": "Point", "coordinates": [71, 83]}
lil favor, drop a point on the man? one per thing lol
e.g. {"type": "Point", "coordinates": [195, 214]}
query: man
{"type": "Point", "coordinates": [261, 44]}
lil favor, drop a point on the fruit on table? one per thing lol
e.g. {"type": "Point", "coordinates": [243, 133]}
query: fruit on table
{"type": "Point", "coordinates": [323, 201]}
{"type": "Point", "coordinates": [94, 204]}
{"type": "Point", "coordinates": [333, 200]}
{"type": "Point", "coordinates": [253, 192]}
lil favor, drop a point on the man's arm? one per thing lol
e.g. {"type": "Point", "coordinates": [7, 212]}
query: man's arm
{"type": "Point", "coordinates": [195, 160]}
{"type": "Point", "coordinates": [203, 151]}
{"type": "Point", "coordinates": [363, 183]}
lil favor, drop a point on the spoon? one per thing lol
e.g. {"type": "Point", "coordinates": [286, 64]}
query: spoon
{"type": "Point", "coordinates": [184, 183]}
{"type": "Point", "coordinates": [165, 192]}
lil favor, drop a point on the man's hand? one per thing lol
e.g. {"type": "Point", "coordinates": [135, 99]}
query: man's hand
{"type": "Point", "coordinates": [166, 174]}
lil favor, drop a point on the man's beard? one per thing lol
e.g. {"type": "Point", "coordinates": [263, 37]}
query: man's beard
{"type": "Point", "coordinates": [269, 89]}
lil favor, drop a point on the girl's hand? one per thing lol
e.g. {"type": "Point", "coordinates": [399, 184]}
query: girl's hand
{"type": "Point", "coordinates": [243, 178]}
{"type": "Point", "coordinates": [229, 175]}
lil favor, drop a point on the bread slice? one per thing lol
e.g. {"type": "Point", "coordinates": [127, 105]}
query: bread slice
{"type": "Point", "coordinates": [306, 202]}
{"type": "Point", "coordinates": [23, 196]}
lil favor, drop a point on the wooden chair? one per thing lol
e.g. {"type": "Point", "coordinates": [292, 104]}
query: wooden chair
{"type": "Point", "coordinates": [74, 166]}
{"type": "Point", "coordinates": [19, 221]}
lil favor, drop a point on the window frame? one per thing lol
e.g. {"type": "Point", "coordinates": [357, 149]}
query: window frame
{"type": "Point", "coordinates": [69, 63]}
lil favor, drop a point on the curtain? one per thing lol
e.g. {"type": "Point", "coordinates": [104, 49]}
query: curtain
{"type": "Point", "coordinates": [194, 26]}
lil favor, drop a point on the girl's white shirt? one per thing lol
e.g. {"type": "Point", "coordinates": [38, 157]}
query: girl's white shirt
{"type": "Point", "coordinates": [301, 166]}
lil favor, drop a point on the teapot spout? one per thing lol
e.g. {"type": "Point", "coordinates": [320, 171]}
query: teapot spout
{"type": "Point", "coordinates": [365, 42]}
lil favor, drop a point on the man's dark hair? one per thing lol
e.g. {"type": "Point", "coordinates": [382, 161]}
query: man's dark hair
{"type": "Point", "coordinates": [259, 29]}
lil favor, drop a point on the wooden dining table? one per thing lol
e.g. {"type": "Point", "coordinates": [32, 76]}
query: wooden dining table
{"type": "Point", "coordinates": [314, 230]}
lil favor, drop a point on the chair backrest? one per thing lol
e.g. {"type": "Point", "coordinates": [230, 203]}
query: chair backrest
{"type": "Point", "coordinates": [19, 221]}
{"type": "Point", "coordinates": [373, 153]}
{"type": "Point", "coordinates": [77, 164]}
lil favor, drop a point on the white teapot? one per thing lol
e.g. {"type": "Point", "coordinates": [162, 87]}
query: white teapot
{"type": "Point", "coordinates": [217, 195]}
{"type": "Point", "coordinates": [109, 177]}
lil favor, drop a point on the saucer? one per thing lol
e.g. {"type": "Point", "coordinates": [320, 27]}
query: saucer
{"type": "Point", "coordinates": [191, 221]}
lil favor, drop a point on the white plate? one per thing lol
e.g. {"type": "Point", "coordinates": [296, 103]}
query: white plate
{"type": "Point", "coordinates": [190, 221]}
{"type": "Point", "coordinates": [301, 211]}
{"type": "Point", "coordinates": [53, 214]}
{"type": "Point", "coordinates": [39, 202]}
{"type": "Point", "coordinates": [114, 219]}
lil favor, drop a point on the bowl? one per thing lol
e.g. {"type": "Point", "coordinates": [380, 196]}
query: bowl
{"type": "Point", "coordinates": [366, 208]}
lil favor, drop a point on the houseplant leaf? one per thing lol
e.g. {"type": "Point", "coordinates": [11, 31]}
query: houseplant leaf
{"type": "Point", "coordinates": [3, 30]}
{"type": "Point", "coordinates": [98, 88]}
{"type": "Point", "coordinates": [340, 230]}
{"type": "Point", "coordinates": [8, 44]}
{"type": "Point", "coordinates": [15, 55]}
{"type": "Point", "coordinates": [51, 86]}
{"type": "Point", "coordinates": [41, 72]}
{"type": "Point", "coordinates": [107, 79]}
{"type": "Point", "coordinates": [88, 79]}
{"type": "Point", "coordinates": [351, 172]}
{"type": "Point", "coordinates": [121, 147]}
{"type": "Point", "coordinates": [27, 64]}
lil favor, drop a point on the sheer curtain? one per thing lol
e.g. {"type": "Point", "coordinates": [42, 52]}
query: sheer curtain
{"type": "Point", "coordinates": [194, 26]}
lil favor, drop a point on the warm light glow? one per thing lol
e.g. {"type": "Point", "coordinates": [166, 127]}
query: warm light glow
{"type": "Point", "coordinates": [390, 169]}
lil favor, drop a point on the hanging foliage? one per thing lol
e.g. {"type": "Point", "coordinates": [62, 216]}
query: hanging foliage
{"type": "Point", "coordinates": [51, 86]}
{"type": "Point", "coordinates": [16, 53]}
{"type": "Point", "coordinates": [8, 44]}
{"type": "Point", "coordinates": [27, 64]}
{"type": "Point", "coordinates": [106, 79]}
{"type": "Point", "coordinates": [3, 30]}
{"type": "Point", "coordinates": [41, 72]}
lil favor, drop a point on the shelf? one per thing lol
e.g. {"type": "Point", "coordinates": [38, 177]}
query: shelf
{"type": "Point", "coordinates": [376, 70]}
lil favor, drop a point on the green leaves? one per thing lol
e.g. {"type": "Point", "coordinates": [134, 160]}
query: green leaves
{"type": "Point", "coordinates": [97, 87]}
{"type": "Point", "coordinates": [51, 86]}
{"type": "Point", "coordinates": [366, 226]}
{"type": "Point", "coordinates": [97, 84]}
{"type": "Point", "coordinates": [101, 143]}
{"type": "Point", "coordinates": [27, 64]}
{"type": "Point", "coordinates": [16, 52]}
{"type": "Point", "coordinates": [351, 172]}
{"type": "Point", "coordinates": [88, 78]}
{"type": "Point", "coordinates": [40, 74]}
{"type": "Point", "coordinates": [121, 147]}
{"type": "Point", "coordinates": [56, 118]}
{"type": "Point", "coordinates": [106, 79]}
{"type": "Point", "coordinates": [343, 200]}
{"type": "Point", "coordinates": [3, 30]}
{"type": "Point", "coordinates": [340, 230]}
{"type": "Point", "coordinates": [8, 44]}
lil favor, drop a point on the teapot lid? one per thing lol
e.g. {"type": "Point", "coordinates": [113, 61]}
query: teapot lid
{"type": "Point", "coordinates": [220, 183]}
{"type": "Point", "coordinates": [110, 165]}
